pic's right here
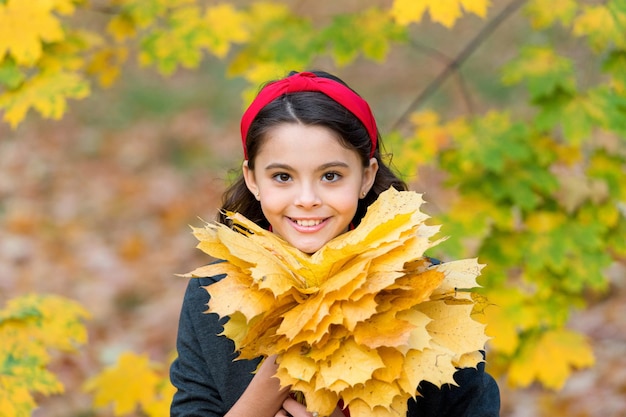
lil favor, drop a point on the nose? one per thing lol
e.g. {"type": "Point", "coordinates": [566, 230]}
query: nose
{"type": "Point", "coordinates": [307, 197]}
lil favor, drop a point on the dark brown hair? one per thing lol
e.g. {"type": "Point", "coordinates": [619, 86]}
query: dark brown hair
{"type": "Point", "coordinates": [308, 108]}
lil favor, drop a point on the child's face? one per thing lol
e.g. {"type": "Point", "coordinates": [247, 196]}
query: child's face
{"type": "Point", "coordinates": [308, 184]}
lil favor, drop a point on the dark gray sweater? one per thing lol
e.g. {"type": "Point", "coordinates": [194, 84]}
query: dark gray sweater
{"type": "Point", "coordinates": [209, 382]}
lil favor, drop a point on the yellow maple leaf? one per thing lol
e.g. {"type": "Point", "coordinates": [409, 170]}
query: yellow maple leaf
{"type": "Point", "coordinates": [365, 318]}
{"type": "Point", "coordinates": [121, 27]}
{"type": "Point", "coordinates": [113, 385]}
{"type": "Point", "coordinates": [45, 92]}
{"type": "Point", "coordinates": [24, 25]}
{"type": "Point", "coordinates": [551, 359]}
{"type": "Point", "coordinates": [446, 12]}
{"type": "Point", "coordinates": [227, 26]}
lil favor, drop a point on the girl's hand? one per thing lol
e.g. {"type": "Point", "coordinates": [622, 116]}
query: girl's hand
{"type": "Point", "coordinates": [293, 408]}
{"type": "Point", "coordinates": [263, 397]}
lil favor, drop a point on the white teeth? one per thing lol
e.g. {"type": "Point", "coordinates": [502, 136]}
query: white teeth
{"type": "Point", "coordinates": [307, 223]}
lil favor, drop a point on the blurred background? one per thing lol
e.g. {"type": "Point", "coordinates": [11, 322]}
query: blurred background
{"type": "Point", "coordinates": [96, 206]}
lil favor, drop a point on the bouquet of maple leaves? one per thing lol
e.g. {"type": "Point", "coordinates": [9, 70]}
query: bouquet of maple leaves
{"type": "Point", "coordinates": [364, 319]}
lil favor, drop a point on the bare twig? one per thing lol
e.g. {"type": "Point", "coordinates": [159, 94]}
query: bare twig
{"type": "Point", "coordinates": [456, 63]}
{"type": "Point", "coordinates": [447, 60]}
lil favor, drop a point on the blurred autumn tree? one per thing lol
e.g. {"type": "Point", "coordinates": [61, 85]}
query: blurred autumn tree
{"type": "Point", "coordinates": [539, 191]}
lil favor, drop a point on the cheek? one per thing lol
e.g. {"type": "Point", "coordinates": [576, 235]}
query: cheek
{"type": "Point", "coordinates": [347, 202]}
{"type": "Point", "coordinates": [273, 202]}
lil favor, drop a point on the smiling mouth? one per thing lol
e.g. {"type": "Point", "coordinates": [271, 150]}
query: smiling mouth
{"type": "Point", "coordinates": [307, 222]}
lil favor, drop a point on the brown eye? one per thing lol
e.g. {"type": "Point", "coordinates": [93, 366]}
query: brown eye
{"type": "Point", "coordinates": [282, 177]}
{"type": "Point", "coordinates": [331, 176]}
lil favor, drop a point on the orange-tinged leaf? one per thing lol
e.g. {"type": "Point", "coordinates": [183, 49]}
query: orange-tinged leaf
{"type": "Point", "coordinates": [321, 402]}
{"type": "Point", "coordinates": [393, 360]}
{"type": "Point", "coordinates": [298, 365]}
{"type": "Point", "coordinates": [351, 363]}
{"type": "Point", "coordinates": [324, 350]}
{"type": "Point", "coordinates": [341, 285]}
{"type": "Point", "coordinates": [230, 295]}
{"type": "Point", "coordinates": [357, 318]}
{"type": "Point", "coordinates": [358, 310]}
{"type": "Point", "coordinates": [375, 392]}
{"type": "Point", "coordinates": [300, 315]}
{"type": "Point", "coordinates": [397, 331]}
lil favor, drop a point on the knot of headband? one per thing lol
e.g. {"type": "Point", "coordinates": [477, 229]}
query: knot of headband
{"type": "Point", "coordinates": [307, 81]}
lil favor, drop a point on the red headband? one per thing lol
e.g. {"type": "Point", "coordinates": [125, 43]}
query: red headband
{"type": "Point", "coordinates": [307, 81]}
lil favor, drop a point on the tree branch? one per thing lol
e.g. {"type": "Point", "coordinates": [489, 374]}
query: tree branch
{"type": "Point", "coordinates": [437, 54]}
{"type": "Point", "coordinates": [457, 62]}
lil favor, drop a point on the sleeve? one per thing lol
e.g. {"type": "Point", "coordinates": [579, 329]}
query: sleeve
{"type": "Point", "coordinates": [477, 395]}
{"type": "Point", "coordinates": [197, 393]}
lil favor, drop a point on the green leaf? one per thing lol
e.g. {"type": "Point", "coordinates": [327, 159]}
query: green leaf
{"type": "Point", "coordinates": [278, 40]}
{"type": "Point", "coordinates": [179, 42]}
{"type": "Point", "coordinates": [603, 25]}
{"type": "Point", "coordinates": [542, 16]}
{"type": "Point", "coordinates": [544, 72]}
{"type": "Point", "coordinates": [46, 92]}
{"type": "Point", "coordinates": [10, 75]}
{"type": "Point", "coordinates": [615, 64]}
{"type": "Point", "coordinates": [30, 326]}
{"type": "Point", "coordinates": [609, 109]}
{"type": "Point", "coordinates": [611, 169]}
{"type": "Point", "coordinates": [369, 32]}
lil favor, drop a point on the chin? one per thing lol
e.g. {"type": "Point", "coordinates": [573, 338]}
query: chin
{"type": "Point", "coordinates": [309, 249]}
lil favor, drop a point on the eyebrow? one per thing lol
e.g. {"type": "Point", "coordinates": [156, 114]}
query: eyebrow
{"type": "Point", "coordinates": [333, 164]}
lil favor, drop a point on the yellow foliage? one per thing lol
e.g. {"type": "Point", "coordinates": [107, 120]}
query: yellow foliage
{"type": "Point", "coordinates": [602, 25]}
{"type": "Point", "coordinates": [543, 221]}
{"type": "Point", "coordinates": [446, 12]}
{"type": "Point", "coordinates": [227, 26]}
{"type": "Point", "coordinates": [25, 25]}
{"type": "Point", "coordinates": [365, 319]}
{"type": "Point", "coordinates": [430, 133]}
{"type": "Point", "coordinates": [46, 92]}
{"type": "Point", "coordinates": [551, 359]}
{"type": "Point", "coordinates": [505, 316]}
{"type": "Point", "coordinates": [106, 64]}
{"type": "Point", "coordinates": [559, 10]}
{"type": "Point", "coordinates": [29, 326]}
{"type": "Point", "coordinates": [131, 383]}
{"type": "Point", "coordinates": [121, 27]}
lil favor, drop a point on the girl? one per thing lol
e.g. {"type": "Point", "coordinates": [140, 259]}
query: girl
{"type": "Point", "coordinates": [312, 167]}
